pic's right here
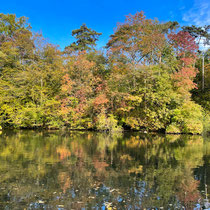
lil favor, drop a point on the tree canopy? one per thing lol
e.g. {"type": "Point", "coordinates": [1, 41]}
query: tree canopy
{"type": "Point", "coordinates": [86, 39]}
{"type": "Point", "coordinates": [148, 78]}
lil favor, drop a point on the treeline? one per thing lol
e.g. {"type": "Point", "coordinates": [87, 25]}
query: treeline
{"type": "Point", "coordinates": [149, 76]}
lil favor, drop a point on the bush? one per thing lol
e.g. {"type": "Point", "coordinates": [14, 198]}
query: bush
{"type": "Point", "coordinates": [189, 117]}
{"type": "Point", "coordinates": [192, 126]}
{"type": "Point", "coordinates": [107, 123]}
{"type": "Point", "coordinates": [133, 123]}
{"type": "Point", "coordinates": [206, 122]}
{"type": "Point", "coordinates": [173, 129]}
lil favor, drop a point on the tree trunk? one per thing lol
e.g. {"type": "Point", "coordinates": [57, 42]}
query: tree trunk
{"type": "Point", "coordinates": [203, 73]}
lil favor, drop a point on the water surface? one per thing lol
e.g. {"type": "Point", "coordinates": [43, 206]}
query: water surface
{"type": "Point", "coordinates": [88, 170]}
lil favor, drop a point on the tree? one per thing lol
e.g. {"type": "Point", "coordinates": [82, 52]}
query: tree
{"type": "Point", "coordinates": [140, 40]}
{"type": "Point", "coordinates": [86, 39]}
{"type": "Point", "coordinates": [202, 36]}
{"type": "Point", "coordinates": [146, 75]}
{"type": "Point", "coordinates": [30, 77]}
{"type": "Point", "coordinates": [9, 24]}
{"type": "Point", "coordinates": [186, 51]}
{"type": "Point", "coordinates": [199, 33]}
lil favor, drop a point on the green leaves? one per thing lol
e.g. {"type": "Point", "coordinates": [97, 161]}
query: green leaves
{"type": "Point", "coordinates": [188, 118]}
{"type": "Point", "coordinates": [10, 24]}
{"type": "Point", "coordinates": [86, 39]}
{"type": "Point", "coordinates": [143, 82]}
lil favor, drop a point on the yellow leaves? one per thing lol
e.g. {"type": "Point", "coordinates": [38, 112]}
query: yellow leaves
{"type": "Point", "coordinates": [172, 138]}
{"type": "Point", "coordinates": [136, 170]}
{"type": "Point", "coordinates": [109, 206]}
{"type": "Point", "coordinates": [63, 152]}
{"type": "Point", "coordinates": [125, 157]}
{"type": "Point", "coordinates": [3, 56]}
{"type": "Point", "coordinates": [126, 109]}
{"type": "Point", "coordinates": [67, 84]}
{"type": "Point", "coordinates": [195, 141]}
{"type": "Point", "coordinates": [132, 102]}
{"type": "Point", "coordinates": [84, 65]}
{"type": "Point", "coordinates": [133, 122]}
{"type": "Point", "coordinates": [135, 99]}
{"type": "Point", "coordinates": [134, 142]}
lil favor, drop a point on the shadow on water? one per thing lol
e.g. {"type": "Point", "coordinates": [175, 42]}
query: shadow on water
{"type": "Point", "coordinates": [59, 170]}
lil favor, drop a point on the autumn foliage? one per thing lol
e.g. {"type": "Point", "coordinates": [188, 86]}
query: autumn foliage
{"type": "Point", "coordinates": [143, 80]}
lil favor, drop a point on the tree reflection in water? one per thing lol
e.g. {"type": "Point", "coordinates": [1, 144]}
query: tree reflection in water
{"type": "Point", "coordinates": [74, 170]}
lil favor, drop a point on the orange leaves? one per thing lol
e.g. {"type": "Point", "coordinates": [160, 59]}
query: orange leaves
{"type": "Point", "coordinates": [184, 79]}
{"type": "Point", "coordinates": [100, 103]}
{"type": "Point", "coordinates": [187, 61]}
{"type": "Point", "coordinates": [137, 38]}
{"type": "Point", "coordinates": [100, 100]}
{"type": "Point", "coordinates": [134, 19]}
{"type": "Point", "coordinates": [82, 90]}
{"type": "Point", "coordinates": [188, 192]}
{"type": "Point", "coordinates": [83, 64]}
{"type": "Point", "coordinates": [66, 84]}
{"type": "Point", "coordinates": [63, 152]}
{"type": "Point", "coordinates": [100, 165]}
{"type": "Point", "coordinates": [64, 180]}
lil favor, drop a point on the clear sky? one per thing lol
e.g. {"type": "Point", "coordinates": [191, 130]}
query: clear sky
{"type": "Point", "coordinates": [57, 18]}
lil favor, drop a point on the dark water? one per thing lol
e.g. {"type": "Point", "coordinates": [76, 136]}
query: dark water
{"type": "Point", "coordinates": [84, 170]}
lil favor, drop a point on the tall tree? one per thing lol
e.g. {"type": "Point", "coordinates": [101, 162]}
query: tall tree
{"type": "Point", "coordinates": [199, 33]}
{"type": "Point", "coordinates": [186, 51]}
{"type": "Point", "coordinates": [140, 40]}
{"type": "Point", "coordinates": [202, 36]}
{"type": "Point", "coordinates": [86, 39]}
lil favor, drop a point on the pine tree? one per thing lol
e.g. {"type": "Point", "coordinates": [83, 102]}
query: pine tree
{"type": "Point", "coordinates": [86, 39]}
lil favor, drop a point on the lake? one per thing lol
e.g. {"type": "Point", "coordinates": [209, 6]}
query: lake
{"type": "Point", "coordinates": [90, 170]}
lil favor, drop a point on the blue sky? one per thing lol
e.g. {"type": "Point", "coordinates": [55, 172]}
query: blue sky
{"type": "Point", "coordinates": [57, 18]}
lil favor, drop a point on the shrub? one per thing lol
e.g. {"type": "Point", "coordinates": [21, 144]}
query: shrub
{"type": "Point", "coordinates": [189, 118]}
{"type": "Point", "coordinates": [173, 128]}
{"type": "Point", "coordinates": [107, 123]}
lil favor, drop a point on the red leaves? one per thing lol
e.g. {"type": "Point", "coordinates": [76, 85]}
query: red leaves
{"type": "Point", "coordinates": [184, 43]}
{"type": "Point", "coordinates": [186, 49]}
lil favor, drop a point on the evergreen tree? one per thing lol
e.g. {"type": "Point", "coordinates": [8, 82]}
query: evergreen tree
{"type": "Point", "coordinates": [86, 39]}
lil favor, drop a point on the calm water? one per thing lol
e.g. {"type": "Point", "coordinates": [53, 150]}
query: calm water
{"type": "Point", "coordinates": [87, 170]}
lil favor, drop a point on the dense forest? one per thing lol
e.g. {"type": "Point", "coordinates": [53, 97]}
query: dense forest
{"type": "Point", "coordinates": [150, 75]}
